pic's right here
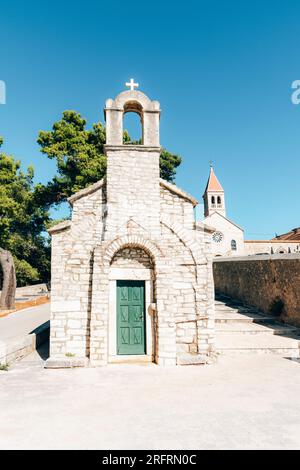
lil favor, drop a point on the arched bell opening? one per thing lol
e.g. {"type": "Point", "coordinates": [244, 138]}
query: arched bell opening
{"type": "Point", "coordinates": [133, 123]}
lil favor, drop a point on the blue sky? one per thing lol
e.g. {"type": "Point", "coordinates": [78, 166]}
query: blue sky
{"type": "Point", "coordinates": [221, 70]}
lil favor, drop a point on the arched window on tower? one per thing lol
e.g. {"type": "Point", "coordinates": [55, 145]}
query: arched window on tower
{"type": "Point", "coordinates": [133, 123]}
{"type": "Point", "coordinates": [219, 202]}
{"type": "Point", "coordinates": [213, 201]}
{"type": "Point", "coordinates": [233, 245]}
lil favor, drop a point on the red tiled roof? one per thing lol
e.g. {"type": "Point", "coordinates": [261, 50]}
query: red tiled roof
{"type": "Point", "coordinates": [213, 183]}
{"type": "Point", "coordinates": [293, 235]}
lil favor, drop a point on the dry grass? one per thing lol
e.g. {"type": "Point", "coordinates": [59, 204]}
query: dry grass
{"type": "Point", "coordinates": [27, 303]}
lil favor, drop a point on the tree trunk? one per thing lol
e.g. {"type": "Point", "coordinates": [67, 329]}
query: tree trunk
{"type": "Point", "coordinates": [7, 300]}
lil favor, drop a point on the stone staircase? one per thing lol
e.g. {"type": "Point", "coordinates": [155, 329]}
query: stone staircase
{"type": "Point", "coordinates": [245, 330]}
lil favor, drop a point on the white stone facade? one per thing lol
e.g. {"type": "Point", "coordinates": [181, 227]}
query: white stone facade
{"type": "Point", "coordinates": [254, 247]}
{"type": "Point", "coordinates": [132, 226]}
{"type": "Point", "coordinates": [228, 238]}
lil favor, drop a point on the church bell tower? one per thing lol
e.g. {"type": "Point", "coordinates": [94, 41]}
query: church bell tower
{"type": "Point", "coordinates": [214, 196]}
{"type": "Point", "coordinates": [133, 194]}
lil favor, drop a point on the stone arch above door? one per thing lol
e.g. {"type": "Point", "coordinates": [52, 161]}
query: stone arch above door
{"type": "Point", "coordinates": [135, 241]}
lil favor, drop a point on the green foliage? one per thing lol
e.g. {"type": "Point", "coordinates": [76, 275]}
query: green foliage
{"type": "Point", "coordinates": [168, 164]}
{"type": "Point", "coordinates": [22, 222]}
{"type": "Point", "coordinates": [25, 273]}
{"type": "Point", "coordinates": [80, 159]}
{"type": "Point", "coordinates": [4, 367]}
{"type": "Point", "coordinates": [79, 156]}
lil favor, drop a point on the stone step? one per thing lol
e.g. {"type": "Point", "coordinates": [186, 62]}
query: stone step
{"type": "Point", "coordinates": [231, 343]}
{"type": "Point", "coordinates": [257, 328]}
{"type": "Point", "coordinates": [282, 352]}
{"type": "Point", "coordinates": [228, 301]}
{"type": "Point", "coordinates": [237, 308]}
{"type": "Point", "coordinates": [233, 317]}
{"type": "Point", "coordinates": [219, 302]}
{"type": "Point", "coordinates": [246, 330]}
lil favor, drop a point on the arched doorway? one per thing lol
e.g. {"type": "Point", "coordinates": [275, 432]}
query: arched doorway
{"type": "Point", "coordinates": [131, 294]}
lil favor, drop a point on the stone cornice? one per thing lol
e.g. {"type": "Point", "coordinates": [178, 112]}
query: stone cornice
{"type": "Point", "coordinates": [60, 227]}
{"type": "Point", "coordinates": [207, 228]}
{"type": "Point", "coordinates": [155, 111]}
{"type": "Point", "coordinates": [86, 191]}
{"type": "Point", "coordinates": [126, 147]}
{"type": "Point", "coordinates": [173, 188]}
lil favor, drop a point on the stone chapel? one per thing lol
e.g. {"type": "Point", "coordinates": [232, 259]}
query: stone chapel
{"type": "Point", "coordinates": [132, 270]}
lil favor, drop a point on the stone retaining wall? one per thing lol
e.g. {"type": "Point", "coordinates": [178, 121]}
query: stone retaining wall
{"type": "Point", "coordinates": [270, 283]}
{"type": "Point", "coordinates": [32, 290]}
{"type": "Point", "coordinates": [14, 349]}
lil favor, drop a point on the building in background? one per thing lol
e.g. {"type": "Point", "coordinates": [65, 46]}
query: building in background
{"type": "Point", "coordinates": [228, 237]}
{"type": "Point", "coordinates": [286, 243]}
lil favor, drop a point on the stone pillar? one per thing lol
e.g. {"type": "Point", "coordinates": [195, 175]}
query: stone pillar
{"type": "Point", "coordinates": [165, 321]}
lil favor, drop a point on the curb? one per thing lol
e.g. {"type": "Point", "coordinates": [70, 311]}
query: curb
{"type": "Point", "coordinates": [15, 349]}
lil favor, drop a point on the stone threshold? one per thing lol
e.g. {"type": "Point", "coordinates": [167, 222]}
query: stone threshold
{"type": "Point", "coordinates": [131, 359]}
{"type": "Point", "coordinates": [66, 362]}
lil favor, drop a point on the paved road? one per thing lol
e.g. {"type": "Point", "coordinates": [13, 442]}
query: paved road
{"type": "Point", "coordinates": [24, 321]}
{"type": "Point", "coordinates": [244, 402]}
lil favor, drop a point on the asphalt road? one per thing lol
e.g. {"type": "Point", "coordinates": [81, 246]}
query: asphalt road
{"type": "Point", "coordinates": [24, 321]}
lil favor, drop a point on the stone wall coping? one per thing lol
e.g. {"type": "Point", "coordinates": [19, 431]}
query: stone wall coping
{"type": "Point", "coordinates": [94, 187]}
{"type": "Point", "coordinates": [60, 227]}
{"type": "Point", "coordinates": [207, 228]}
{"type": "Point", "coordinates": [278, 256]}
{"type": "Point", "coordinates": [12, 349]}
{"type": "Point", "coordinates": [288, 242]}
{"type": "Point", "coordinates": [126, 147]}
{"type": "Point", "coordinates": [86, 191]}
{"type": "Point", "coordinates": [173, 188]}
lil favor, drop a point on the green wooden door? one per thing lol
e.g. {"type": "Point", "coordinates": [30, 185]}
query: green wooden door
{"type": "Point", "coordinates": [131, 317]}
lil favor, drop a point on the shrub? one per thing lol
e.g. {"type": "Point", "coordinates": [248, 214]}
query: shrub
{"type": "Point", "coordinates": [25, 273]}
{"type": "Point", "coordinates": [276, 306]}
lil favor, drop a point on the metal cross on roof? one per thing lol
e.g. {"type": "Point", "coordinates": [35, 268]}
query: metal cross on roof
{"type": "Point", "coordinates": [131, 84]}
